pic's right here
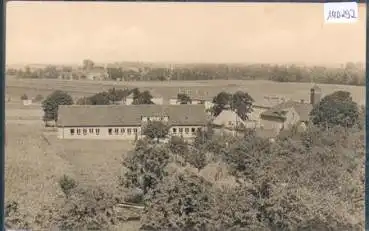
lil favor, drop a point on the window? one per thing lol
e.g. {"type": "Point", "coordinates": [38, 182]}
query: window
{"type": "Point", "coordinates": [122, 130]}
{"type": "Point", "coordinates": [97, 130]}
{"type": "Point", "coordinates": [135, 130]}
{"type": "Point", "coordinates": [78, 131]}
{"type": "Point", "coordinates": [116, 131]}
{"type": "Point", "coordinates": [72, 131]}
{"type": "Point", "coordinates": [193, 130]}
{"type": "Point", "coordinates": [174, 130]}
{"type": "Point", "coordinates": [85, 131]}
{"type": "Point", "coordinates": [181, 130]}
{"type": "Point", "coordinates": [229, 122]}
{"type": "Point", "coordinates": [129, 131]}
{"type": "Point", "coordinates": [199, 129]}
{"type": "Point", "coordinates": [91, 130]}
{"type": "Point", "coordinates": [187, 130]}
{"type": "Point", "coordinates": [110, 131]}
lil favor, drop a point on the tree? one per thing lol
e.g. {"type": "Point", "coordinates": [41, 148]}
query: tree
{"type": "Point", "coordinates": [183, 99]}
{"type": "Point", "coordinates": [88, 64]}
{"type": "Point", "coordinates": [142, 98]}
{"type": "Point", "coordinates": [335, 109]}
{"type": "Point", "coordinates": [221, 102]}
{"type": "Point", "coordinates": [24, 97]}
{"type": "Point", "coordinates": [89, 209]}
{"type": "Point", "coordinates": [101, 98]}
{"type": "Point", "coordinates": [145, 166]}
{"type": "Point", "coordinates": [115, 73]}
{"type": "Point", "coordinates": [156, 130]}
{"type": "Point", "coordinates": [179, 202]}
{"type": "Point", "coordinates": [51, 103]}
{"type": "Point", "coordinates": [240, 102]}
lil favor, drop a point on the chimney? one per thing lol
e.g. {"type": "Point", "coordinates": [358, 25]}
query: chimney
{"type": "Point", "coordinates": [315, 95]}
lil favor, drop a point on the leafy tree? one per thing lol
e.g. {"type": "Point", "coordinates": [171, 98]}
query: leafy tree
{"type": "Point", "coordinates": [101, 98]}
{"type": "Point", "coordinates": [179, 202]}
{"type": "Point", "coordinates": [183, 99]}
{"type": "Point", "coordinates": [335, 109]}
{"type": "Point", "coordinates": [114, 73]}
{"type": "Point", "coordinates": [142, 97]}
{"type": "Point", "coordinates": [240, 102]}
{"type": "Point", "coordinates": [221, 102]}
{"type": "Point", "coordinates": [156, 130]}
{"type": "Point", "coordinates": [145, 166]}
{"type": "Point", "coordinates": [51, 103]}
{"type": "Point", "coordinates": [24, 97]}
{"type": "Point", "coordinates": [89, 209]}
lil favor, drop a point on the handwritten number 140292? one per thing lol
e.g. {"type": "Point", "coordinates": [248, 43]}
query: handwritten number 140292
{"type": "Point", "coordinates": [344, 14]}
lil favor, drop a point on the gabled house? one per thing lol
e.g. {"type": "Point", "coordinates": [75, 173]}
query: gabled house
{"type": "Point", "coordinates": [286, 115]}
{"type": "Point", "coordinates": [231, 120]}
{"type": "Point", "coordinates": [127, 122]}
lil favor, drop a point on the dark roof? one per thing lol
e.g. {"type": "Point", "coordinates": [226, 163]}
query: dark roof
{"type": "Point", "coordinates": [303, 109]}
{"type": "Point", "coordinates": [125, 115]}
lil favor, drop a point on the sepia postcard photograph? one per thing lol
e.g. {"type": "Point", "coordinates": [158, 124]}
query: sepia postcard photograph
{"type": "Point", "coordinates": [137, 116]}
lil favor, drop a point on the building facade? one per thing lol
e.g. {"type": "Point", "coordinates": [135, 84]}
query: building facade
{"type": "Point", "coordinates": [127, 122]}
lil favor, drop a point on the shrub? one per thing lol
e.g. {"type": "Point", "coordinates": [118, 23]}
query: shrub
{"type": "Point", "coordinates": [24, 97]}
{"type": "Point", "coordinates": [67, 183]}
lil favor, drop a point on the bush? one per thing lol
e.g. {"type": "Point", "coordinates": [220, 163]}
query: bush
{"type": "Point", "coordinates": [67, 183]}
{"type": "Point", "coordinates": [24, 97]}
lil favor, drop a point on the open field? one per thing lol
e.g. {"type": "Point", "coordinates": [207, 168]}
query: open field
{"type": "Point", "coordinates": [256, 88]}
{"type": "Point", "coordinates": [36, 159]}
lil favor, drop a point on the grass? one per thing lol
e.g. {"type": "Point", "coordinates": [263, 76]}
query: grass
{"type": "Point", "coordinates": [36, 160]}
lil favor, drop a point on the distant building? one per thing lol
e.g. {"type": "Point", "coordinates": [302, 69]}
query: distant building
{"type": "Point", "coordinates": [97, 73]}
{"type": "Point", "coordinates": [27, 102]}
{"type": "Point", "coordinates": [285, 115]}
{"type": "Point", "coordinates": [230, 120]}
{"type": "Point", "coordinates": [127, 122]}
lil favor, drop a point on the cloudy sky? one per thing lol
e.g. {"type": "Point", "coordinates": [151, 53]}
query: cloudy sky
{"type": "Point", "coordinates": [61, 32]}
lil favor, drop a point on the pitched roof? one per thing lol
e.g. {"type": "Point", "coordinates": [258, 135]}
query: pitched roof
{"type": "Point", "coordinates": [303, 109]}
{"type": "Point", "coordinates": [125, 115]}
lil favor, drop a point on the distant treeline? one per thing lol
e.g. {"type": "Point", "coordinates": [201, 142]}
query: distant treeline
{"type": "Point", "coordinates": [350, 74]}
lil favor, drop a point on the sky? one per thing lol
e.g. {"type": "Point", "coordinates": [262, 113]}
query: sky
{"type": "Point", "coordinates": [68, 32]}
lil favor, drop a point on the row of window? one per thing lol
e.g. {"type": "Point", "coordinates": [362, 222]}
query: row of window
{"type": "Point", "coordinates": [122, 131]}
{"type": "Point", "coordinates": [155, 118]}
{"type": "Point", "coordinates": [84, 131]}
{"type": "Point", "coordinates": [186, 130]}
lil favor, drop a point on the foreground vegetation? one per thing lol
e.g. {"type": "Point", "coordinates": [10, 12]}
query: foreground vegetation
{"type": "Point", "coordinates": [303, 180]}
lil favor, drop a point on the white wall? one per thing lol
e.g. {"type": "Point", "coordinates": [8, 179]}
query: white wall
{"type": "Point", "coordinates": [129, 100]}
{"type": "Point", "coordinates": [181, 131]}
{"type": "Point", "coordinates": [65, 133]}
{"type": "Point", "coordinates": [208, 104]}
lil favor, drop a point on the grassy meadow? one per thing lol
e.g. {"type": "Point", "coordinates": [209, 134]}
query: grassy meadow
{"type": "Point", "coordinates": [36, 159]}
